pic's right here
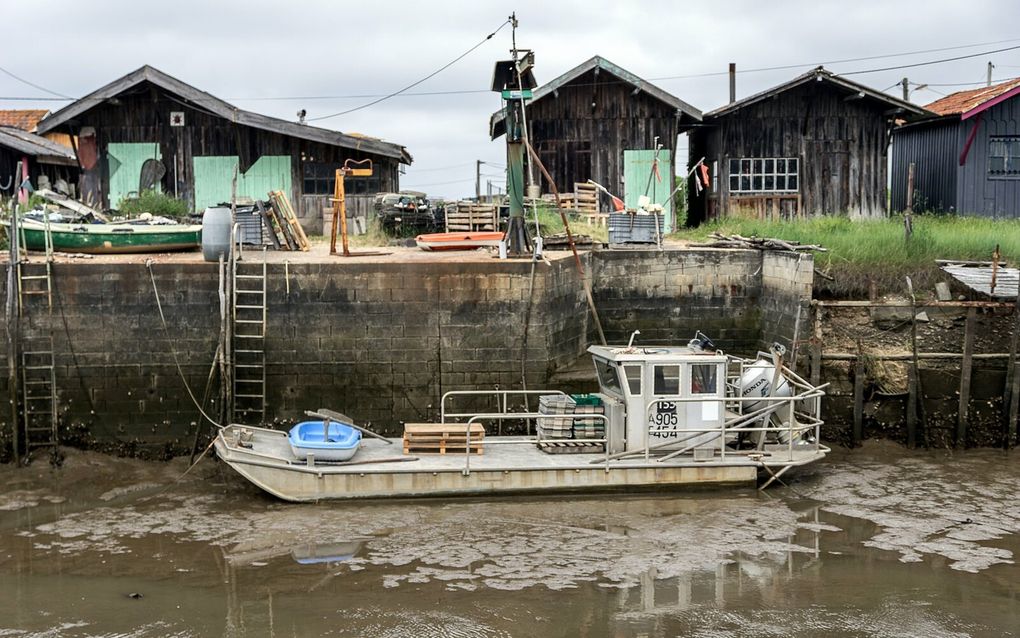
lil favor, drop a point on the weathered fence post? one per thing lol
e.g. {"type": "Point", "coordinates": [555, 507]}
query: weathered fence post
{"type": "Point", "coordinates": [965, 376]}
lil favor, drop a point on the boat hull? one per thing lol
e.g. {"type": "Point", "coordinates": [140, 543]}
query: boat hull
{"type": "Point", "coordinates": [512, 468]}
{"type": "Point", "coordinates": [112, 238]}
{"type": "Point", "coordinates": [457, 241]}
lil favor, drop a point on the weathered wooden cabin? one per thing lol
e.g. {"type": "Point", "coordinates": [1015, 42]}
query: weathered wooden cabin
{"type": "Point", "coordinates": [198, 139]}
{"type": "Point", "coordinates": [39, 157]}
{"type": "Point", "coordinates": [582, 123]}
{"type": "Point", "coordinates": [815, 145]}
{"type": "Point", "coordinates": [966, 156]}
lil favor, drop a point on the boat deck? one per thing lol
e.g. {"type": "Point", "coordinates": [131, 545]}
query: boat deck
{"type": "Point", "coordinates": [508, 464]}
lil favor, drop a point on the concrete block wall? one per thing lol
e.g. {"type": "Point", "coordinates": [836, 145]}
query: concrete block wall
{"type": "Point", "coordinates": [787, 280]}
{"type": "Point", "coordinates": [382, 342]}
{"type": "Point", "coordinates": [669, 295]}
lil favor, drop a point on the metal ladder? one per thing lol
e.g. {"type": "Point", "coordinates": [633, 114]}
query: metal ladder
{"type": "Point", "coordinates": [38, 368]}
{"type": "Point", "coordinates": [248, 342]}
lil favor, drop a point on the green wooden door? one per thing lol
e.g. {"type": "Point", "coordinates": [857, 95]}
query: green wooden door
{"type": "Point", "coordinates": [638, 180]}
{"type": "Point", "coordinates": [213, 175]}
{"type": "Point", "coordinates": [124, 166]}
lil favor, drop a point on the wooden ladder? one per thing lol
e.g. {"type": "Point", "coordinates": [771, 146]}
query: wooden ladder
{"type": "Point", "coordinates": [248, 342]}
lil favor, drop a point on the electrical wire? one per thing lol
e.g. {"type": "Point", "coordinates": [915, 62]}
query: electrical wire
{"type": "Point", "coordinates": [36, 86]}
{"type": "Point", "coordinates": [930, 62]}
{"type": "Point", "coordinates": [414, 84]}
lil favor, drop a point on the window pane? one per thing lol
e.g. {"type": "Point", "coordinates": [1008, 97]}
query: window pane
{"type": "Point", "coordinates": [667, 380]}
{"type": "Point", "coordinates": [791, 165]}
{"type": "Point", "coordinates": [745, 167]}
{"type": "Point", "coordinates": [734, 183]}
{"type": "Point", "coordinates": [757, 183]}
{"type": "Point", "coordinates": [633, 374]}
{"type": "Point", "coordinates": [780, 165]}
{"type": "Point", "coordinates": [757, 166]}
{"type": "Point", "coordinates": [996, 164]}
{"type": "Point", "coordinates": [791, 182]}
{"type": "Point", "coordinates": [704, 378]}
{"type": "Point", "coordinates": [734, 166]}
{"type": "Point", "coordinates": [745, 183]}
{"type": "Point", "coordinates": [608, 378]}
{"type": "Point", "coordinates": [770, 166]}
{"type": "Point", "coordinates": [780, 182]}
{"type": "Point", "coordinates": [770, 183]}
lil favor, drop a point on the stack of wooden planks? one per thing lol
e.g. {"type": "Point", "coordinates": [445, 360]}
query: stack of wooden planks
{"type": "Point", "coordinates": [440, 438]}
{"type": "Point", "coordinates": [286, 223]}
{"type": "Point", "coordinates": [584, 199]}
{"type": "Point", "coordinates": [471, 217]}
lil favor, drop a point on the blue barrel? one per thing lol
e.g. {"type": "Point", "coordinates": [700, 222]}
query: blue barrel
{"type": "Point", "coordinates": [216, 224]}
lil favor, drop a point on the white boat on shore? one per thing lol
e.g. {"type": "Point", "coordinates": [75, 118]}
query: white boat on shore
{"type": "Point", "coordinates": [664, 417]}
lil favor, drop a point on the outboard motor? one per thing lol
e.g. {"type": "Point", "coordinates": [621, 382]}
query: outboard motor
{"type": "Point", "coordinates": [764, 380]}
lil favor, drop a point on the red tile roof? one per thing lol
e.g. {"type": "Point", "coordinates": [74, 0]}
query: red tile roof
{"type": "Point", "coordinates": [25, 119]}
{"type": "Point", "coordinates": [963, 101]}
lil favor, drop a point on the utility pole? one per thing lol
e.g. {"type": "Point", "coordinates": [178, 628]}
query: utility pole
{"type": "Point", "coordinates": [478, 180]}
{"type": "Point", "coordinates": [906, 89]}
{"type": "Point", "coordinates": [733, 82]}
{"type": "Point", "coordinates": [990, 67]}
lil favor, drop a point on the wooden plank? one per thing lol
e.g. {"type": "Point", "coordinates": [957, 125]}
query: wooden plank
{"type": "Point", "coordinates": [858, 431]}
{"type": "Point", "coordinates": [283, 207]}
{"type": "Point", "coordinates": [427, 428]}
{"type": "Point", "coordinates": [911, 407]}
{"type": "Point", "coordinates": [965, 377]}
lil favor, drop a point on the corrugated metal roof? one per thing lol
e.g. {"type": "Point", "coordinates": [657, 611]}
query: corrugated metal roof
{"type": "Point", "coordinates": [25, 119]}
{"type": "Point", "coordinates": [599, 62]}
{"type": "Point", "coordinates": [820, 74]}
{"type": "Point", "coordinates": [963, 102]}
{"type": "Point", "coordinates": [44, 150]}
{"type": "Point", "coordinates": [222, 109]}
{"type": "Point", "coordinates": [979, 278]}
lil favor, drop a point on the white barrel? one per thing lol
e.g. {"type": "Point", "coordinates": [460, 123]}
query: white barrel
{"type": "Point", "coordinates": [216, 224]}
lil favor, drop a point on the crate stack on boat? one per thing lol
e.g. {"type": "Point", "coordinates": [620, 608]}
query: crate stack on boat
{"type": "Point", "coordinates": [590, 428]}
{"type": "Point", "coordinates": [556, 426]}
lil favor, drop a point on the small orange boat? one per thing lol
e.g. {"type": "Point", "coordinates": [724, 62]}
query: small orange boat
{"type": "Point", "coordinates": [458, 241]}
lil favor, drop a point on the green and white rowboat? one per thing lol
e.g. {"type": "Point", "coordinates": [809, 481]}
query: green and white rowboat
{"type": "Point", "coordinates": [112, 238]}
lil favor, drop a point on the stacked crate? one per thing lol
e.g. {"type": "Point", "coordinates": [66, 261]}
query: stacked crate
{"type": "Point", "coordinates": [556, 425]}
{"type": "Point", "coordinates": [590, 428]}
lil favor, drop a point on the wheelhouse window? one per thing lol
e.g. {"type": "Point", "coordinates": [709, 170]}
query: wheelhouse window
{"type": "Point", "coordinates": [764, 175]}
{"type": "Point", "coordinates": [704, 378]}
{"type": "Point", "coordinates": [633, 375]}
{"type": "Point", "coordinates": [609, 377]}
{"type": "Point", "coordinates": [667, 380]}
{"type": "Point", "coordinates": [1004, 156]}
{"type": "Point", "coordinates": [320, 179]}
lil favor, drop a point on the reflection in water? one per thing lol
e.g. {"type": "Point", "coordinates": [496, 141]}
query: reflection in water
{"type": "Point", "coordinates": [824, 557]}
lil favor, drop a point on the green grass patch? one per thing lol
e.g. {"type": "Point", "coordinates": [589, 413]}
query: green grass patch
{"type": "Point", "coordinates": [863, 251]}
{"type": "Point", "coordinates": [155, 203]}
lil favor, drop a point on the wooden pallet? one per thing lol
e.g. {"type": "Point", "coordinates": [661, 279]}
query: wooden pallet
{"type": "Point", "coordinates": [288, 218]}
{"type": "Point", "coordinates": [471, 217]}
{"type": "Point", "coordinates": [440, 438]}
{"type": "Point", "coordinates": [572, 446]}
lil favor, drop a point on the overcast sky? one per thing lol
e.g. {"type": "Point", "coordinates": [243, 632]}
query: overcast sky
{"type": "Point", "coordinates": [251, 51]}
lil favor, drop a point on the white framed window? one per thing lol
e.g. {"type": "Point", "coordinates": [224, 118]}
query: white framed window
{"type": "Point", "coordinates": [1004, 156]}
{"type": "Point", "coordinates": [764, 175]}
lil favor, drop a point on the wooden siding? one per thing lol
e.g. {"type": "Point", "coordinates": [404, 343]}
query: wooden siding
{"type": "Point", "coordinates": [979, 193]}
{"type": "Point", "coordinates": [142, 115]}
{"type": "Point", "coordinates": [840, 144]}
{"type": "Point", "coordinates": [581, 130]}
{"type": "Point", "coordinates": [932, 148]}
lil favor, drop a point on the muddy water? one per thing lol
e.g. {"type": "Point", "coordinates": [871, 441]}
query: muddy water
{"type": "Point", "coordinates": [874, 542]}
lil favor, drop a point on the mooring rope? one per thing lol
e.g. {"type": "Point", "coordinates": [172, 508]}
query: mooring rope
{"type": "Point", "coordinates": [173, 351]}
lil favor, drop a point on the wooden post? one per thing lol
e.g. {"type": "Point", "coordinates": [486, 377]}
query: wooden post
{"type": "Point", "coordinates": [1011, 393]}
{"type": "Point", "coordinates": [13, 322]}
{"type": "Point", "coordinates": [911, 407]}
{"type": "Point", "coordinates": [816, 351]}
{"type": "Point", "coordinates": [916, 365]}
{"type": "Point", "coordinates": [910, 188]}
{"type": "Point", "coordinates": [965, 376]}
{"type": "Point", "coordinates": [858, 432]}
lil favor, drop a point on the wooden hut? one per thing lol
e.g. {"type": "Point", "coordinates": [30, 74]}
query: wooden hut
{"type": "Point", "coordinates": [39, 156]}
{"type": "Point", "coordinates": [583, 123]}
{"type": "Point", "coordinates": [199, 139]}
{"type": "Point", "coordinates": [966, 156]}
{"type": "Point", "coordinates": [815, 145]}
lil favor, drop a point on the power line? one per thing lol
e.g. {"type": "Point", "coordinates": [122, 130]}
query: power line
{"type": "Point", "coordinates": [414, 84]}
{"type": "Point", "coordinates": [930, 62]}
{"type": "Point", "coordinates": [35, 86]}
